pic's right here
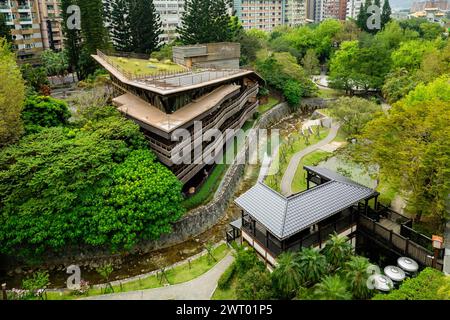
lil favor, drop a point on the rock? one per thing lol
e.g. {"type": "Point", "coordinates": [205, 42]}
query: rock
{"type": "Point", "coordinates": [18, 270]}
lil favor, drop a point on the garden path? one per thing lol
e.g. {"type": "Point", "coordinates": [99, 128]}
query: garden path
{"type": "Point", "coordinates": [201, 288]}
{"type": "Point", "coordinates": [288, 177]}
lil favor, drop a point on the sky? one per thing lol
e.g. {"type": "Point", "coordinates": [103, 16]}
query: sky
{"type": "Point", "coordinates": [401, 4]}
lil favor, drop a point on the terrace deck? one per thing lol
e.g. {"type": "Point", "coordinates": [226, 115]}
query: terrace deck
{"type": "Point", "coordinates": [141, 110]}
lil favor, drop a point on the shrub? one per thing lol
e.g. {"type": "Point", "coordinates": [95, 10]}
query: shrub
{"type": "Point", "coordinates": [246, 259]}
{"type": "Point", "coordinates": [430, 284]}
{"type": "Point", "coordinates": [43, 111]}
{"type": "Point", "coordinates": [227, 276]}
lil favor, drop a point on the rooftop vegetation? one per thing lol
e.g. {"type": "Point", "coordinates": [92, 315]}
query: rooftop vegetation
{"type": "Point", "coordinates": [149, 67]}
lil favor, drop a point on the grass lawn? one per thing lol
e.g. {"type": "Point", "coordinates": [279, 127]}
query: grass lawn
{"type": "Point", "coordinates": [274, 181]}
{"type": "Point", "coordinates": [330, 93]}
{"type": "Point", "coordinates": [227, 294]}
{"type": "Point", "coordinates": [312, 159]}
{"type": "Point", "coordinates": [179, 274]}
{"type": "Point", "coordinates": [272, 102]}
{"type": "Point", "coordinates": [208, 189]}
{"type": "Point", "coordinates": [145, 67]}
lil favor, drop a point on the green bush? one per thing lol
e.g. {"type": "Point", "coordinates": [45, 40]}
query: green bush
{"type": "Point", "coordinates": [227, 276]}
{"type": "Point", "coordinates": [98, 185]}
{"type": "Point", "coordinates": [430, 284]}
{"type": "Point", "coordinates": [43, 111]}
{"type": "Point", "coordinates": [246, 259]}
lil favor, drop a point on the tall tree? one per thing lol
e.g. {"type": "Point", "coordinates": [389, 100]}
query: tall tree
{"type": "Point", "coordinates": [145, 26]}
{"type": "Point", "coordinates": [72, 39]}
{"type": "Point", "coordinates": [417, 129]}
{"type": "Point", "coordinates": [12, 93]}
{"type": "Point", "coordinates": [361, 20]}
{"type": "Point", "coordinates": [205, 21]}
{"type": "Point", "coordinates": [120, 25]}
{"type": "Point", "coordinates": [5, 32]}
{"type": "Point", "coordinates": [386, 13]}
{"type": "Point", "coordinates": [94, 34]}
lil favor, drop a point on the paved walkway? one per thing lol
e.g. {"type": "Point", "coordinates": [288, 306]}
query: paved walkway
{"type": "Point", "coordinates": [286, 182]}
{"type": "Point", "coordinates": [201, 288]}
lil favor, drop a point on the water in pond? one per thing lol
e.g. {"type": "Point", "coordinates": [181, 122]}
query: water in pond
{"type": "Point", "coordinates": [349, 169]}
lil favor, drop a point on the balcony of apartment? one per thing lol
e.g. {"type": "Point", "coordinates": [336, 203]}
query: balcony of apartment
{"type": "Point", "coordinates": [5, 6]}
{"type": "Point", "coordinates": [24, 7]}
{"type": "Point", "coordinates": [25, 19]}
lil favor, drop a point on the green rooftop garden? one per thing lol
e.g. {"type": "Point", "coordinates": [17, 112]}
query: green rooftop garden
{"type": "Point", "coordinates": [145, 67]}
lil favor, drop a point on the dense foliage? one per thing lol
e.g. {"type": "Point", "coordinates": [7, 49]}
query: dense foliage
{"type": "Point", "coordinates": [281, 71]}
{"type": "Point", "coordinates": [430, 284]}
{"type": "Point", "coordinates": [413, 138]}
{"type": "Point", "coordinates": [12, 91]}
{"type": "Point", "coordinates": [353, 113]}
{"type": "Point", "coordinates": [145, 26]}
{"type": "Point", "coordinates": [97, 185]}
{"type": "Point", "coordinates": [333, 273]}
{"type": "Point", "coordinates": [80, 44]}
{"type": "Point", "coordinates": [204, 21]}
{"type": "Point", "coordinates": [5, 31]}
{"type": "Point", "coordinates": [43, 111]}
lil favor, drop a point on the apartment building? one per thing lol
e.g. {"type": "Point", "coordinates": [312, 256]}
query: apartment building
{"type": "Point", "coordinates": [296, 12]}
{"type": "Point", "coordinates": [35, 26]}
{"type": "Point", "coordinates": [170, 12]}
{"type": "Point", "coordinates": [50, 13]}
{"type": "Point", "coordinates": [353, 7]}
{"type": "Point", "coordinates": [260, 14]}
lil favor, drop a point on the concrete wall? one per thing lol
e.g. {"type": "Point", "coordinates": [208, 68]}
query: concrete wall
{"type": "Point", "coordinates": [222, 55]}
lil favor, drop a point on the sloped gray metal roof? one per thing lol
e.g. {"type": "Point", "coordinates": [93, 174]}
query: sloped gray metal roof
{"type": "Point", "coordinates": [331, 175]}
{"type": "Point", "coordinates": [286, 216]}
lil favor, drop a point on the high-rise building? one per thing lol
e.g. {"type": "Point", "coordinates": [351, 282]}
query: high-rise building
{"type": "Point", "coordinates": [331, 9]}
{"type": "Point", "coordinates": [353, 7]}
{"type": "Point", "coordinates": [170, 12]}
{"type": "Point", "coordinates": [260, 14]}
{"type": "Point", "coordinates": [295, 12]}
{"type": "Point", "coordinates": [35, 26]}
{"type": "Point", "coordinates": [51, 18]}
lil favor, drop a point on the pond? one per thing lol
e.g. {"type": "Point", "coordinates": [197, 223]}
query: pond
{"type": "Point", "coordinates": [349, 169]}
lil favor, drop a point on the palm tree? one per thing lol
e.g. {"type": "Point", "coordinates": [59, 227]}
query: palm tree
{"type": "Point", "coordinates": [287, 277]}
{"type": "Point", "coordinates": [313, 265]}
{"type": "Point", "coordinates": [355, 271]}
{"type": "Point", "coordinates": [337, 251]}
{"type": "Point", "coordinates": [332, 288]}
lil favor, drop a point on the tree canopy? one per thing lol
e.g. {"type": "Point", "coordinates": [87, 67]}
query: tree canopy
{"type": "Point", "coordinates": [416, 131]}
{"type": "Point", "coordinates": [97, 185]}
{"type": "Point", "coordinates": [12, 92]}
{"type": "Point", "coordinates": [205, 21]}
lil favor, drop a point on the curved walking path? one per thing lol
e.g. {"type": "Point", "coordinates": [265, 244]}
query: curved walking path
{"type": "Point", "coordinates": [288, 177]}
{"type": "Point", "coordinates": [201, 288]}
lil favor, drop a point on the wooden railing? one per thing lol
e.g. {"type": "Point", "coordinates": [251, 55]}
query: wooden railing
{"type": "Point", "coordinates": [399, 243]}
